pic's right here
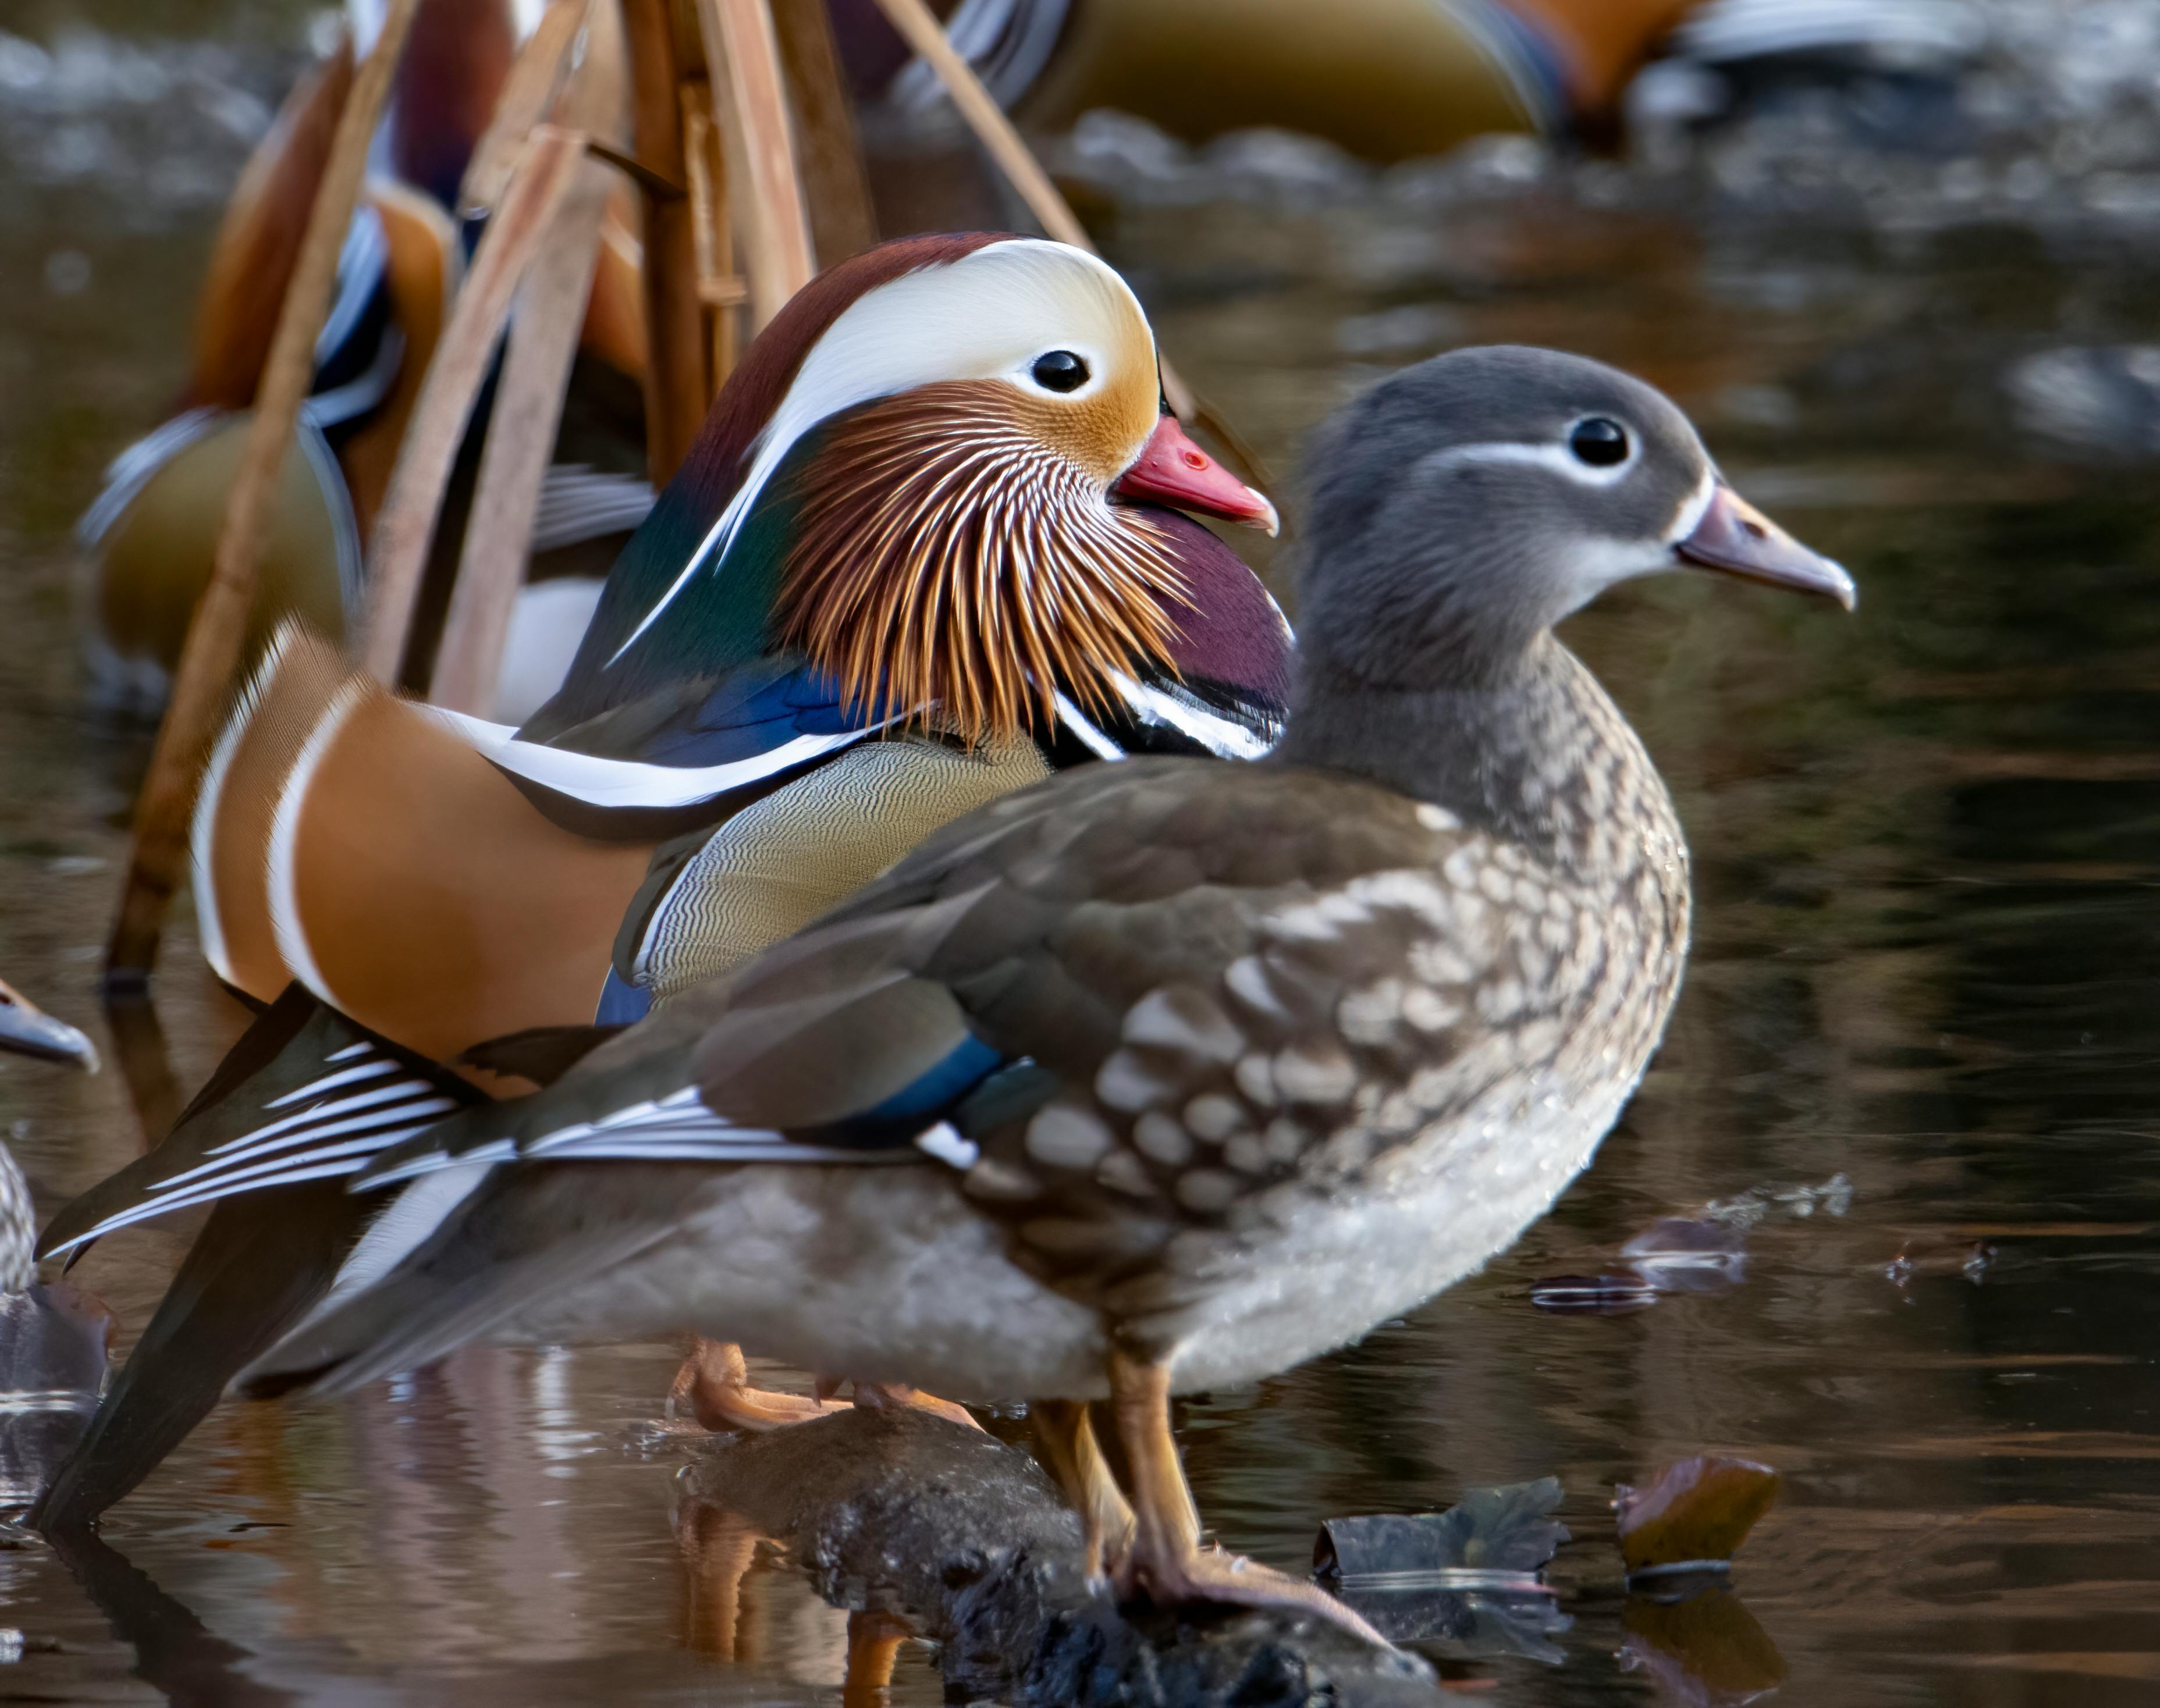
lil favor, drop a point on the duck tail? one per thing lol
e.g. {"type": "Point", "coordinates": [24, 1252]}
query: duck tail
{"type": "Point", "coordinates": [257, 1266]}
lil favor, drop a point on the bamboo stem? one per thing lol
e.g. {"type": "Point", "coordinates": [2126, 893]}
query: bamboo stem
{"type": "Point", "coordinates": [405, 524]}
{"type": "Point", "coordinates": [675, 382]}
{"type": "Point", "coordinates": [742, 58]}
{"type": "Point", "coordinates": [219, 628]}
{"type": "Point", "coordinates": [835, 183]}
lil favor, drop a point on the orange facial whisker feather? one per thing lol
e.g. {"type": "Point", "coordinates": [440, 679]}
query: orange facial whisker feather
{"type": "Point", "coordinates": [947, 558]}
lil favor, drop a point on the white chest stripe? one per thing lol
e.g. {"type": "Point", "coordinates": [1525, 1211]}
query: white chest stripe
{"type": "Point", "coordinates": [626, 782]}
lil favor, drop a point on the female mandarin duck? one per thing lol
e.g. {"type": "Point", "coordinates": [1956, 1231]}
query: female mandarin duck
{"type": "Point", "coordinates": [902, 572]}
{"type": "Point", "coordinates": [27, 1030]}
{"type": "Point", "coordinates": [153, 531]}
{"type": "Point", "coordinates": [1162, 1075]}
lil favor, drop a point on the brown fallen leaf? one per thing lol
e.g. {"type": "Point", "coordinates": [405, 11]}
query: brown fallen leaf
{"type": "Point", "coordinates": [1697, 1509]}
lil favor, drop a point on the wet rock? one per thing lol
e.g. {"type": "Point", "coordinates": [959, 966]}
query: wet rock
{"type": "Point", "coordinates": [906, 1514]}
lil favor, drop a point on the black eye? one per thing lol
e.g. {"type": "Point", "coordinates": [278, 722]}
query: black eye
{"type": "Point", "coordinates": [1061, 371]}
{"type": "Point", "coordinates": [1599, 442]}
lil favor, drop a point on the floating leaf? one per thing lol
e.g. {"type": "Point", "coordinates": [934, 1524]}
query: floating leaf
{"type": "Point", "coordinates": [1698, 1510]}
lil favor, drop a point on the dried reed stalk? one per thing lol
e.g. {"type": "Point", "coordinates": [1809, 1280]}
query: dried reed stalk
{"type": "Point", "coordinates": [676, 386]}
{"type": "Point", "coordinates": [742, 58]}
{"type": "Point", "coordinates": [219, 628]}
{"type": "Point", "coordinates": [405, 524]}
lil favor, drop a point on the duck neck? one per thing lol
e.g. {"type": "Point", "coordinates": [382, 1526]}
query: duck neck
{"type": "Point", "coordinates": [1533, 751]}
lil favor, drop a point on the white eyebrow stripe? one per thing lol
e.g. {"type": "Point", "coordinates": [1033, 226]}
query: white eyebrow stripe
{"type": "Point", "coordinates": [1557, 457]}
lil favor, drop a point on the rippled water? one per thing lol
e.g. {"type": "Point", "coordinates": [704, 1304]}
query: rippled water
{"type": "Point", "coordinates": [1928, 856]}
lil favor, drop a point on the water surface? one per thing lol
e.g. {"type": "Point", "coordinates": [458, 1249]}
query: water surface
{"type": "Point", "coordinates": [1927, 844]}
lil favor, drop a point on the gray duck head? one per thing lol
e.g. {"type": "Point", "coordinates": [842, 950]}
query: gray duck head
{"type": "Point", "coordinates": [26, 1030]}
{"type": "Point", "coordinates": [1463, 506]}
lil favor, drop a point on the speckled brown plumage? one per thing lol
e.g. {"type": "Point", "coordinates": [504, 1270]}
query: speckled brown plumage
{"type": "Point", "coordinates": [1260, 987]}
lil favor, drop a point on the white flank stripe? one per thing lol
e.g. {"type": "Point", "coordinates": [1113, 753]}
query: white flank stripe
{"type": "Point", "coordinates": [349, 1050]}
{"type": "Point", "coordinates": [285, 921]}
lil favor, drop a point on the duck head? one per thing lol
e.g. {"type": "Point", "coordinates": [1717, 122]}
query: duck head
{"type": "Point", "coordinates": [931, 471]}
{"type": "Point", "coordinates": [1481, 497]}
{"type": "Point", "coordinates": [26, 1030]}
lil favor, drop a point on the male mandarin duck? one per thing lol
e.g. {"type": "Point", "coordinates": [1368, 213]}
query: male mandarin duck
{"type": "Point", "coordinates": [1162, 1075]}
{"type": "Point", "coordinates": [153, 531]}
{"type": "Point", "coordinates": [910, 565]}
{"type": "Point", "coordinates": [906, 567]}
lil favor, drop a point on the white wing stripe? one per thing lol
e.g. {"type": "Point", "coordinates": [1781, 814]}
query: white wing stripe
{"type": "Point", "coordinates": [231, 1167]}
{"type": "Point", "coordinates": [329, 1082]}
{"type": "Point", "coordinates": [323, 1111]}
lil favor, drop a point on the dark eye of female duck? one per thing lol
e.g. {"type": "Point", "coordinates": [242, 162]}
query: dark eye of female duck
{"type": "Point", "coordinates": [1600, 442]}
{"type": "Point", "coordinates": [1060, 371]}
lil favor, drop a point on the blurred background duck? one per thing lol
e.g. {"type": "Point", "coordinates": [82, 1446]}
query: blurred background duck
{"type": "Point", "coordinates": [54, 1340]}
{"type": "Point", "coordinates": [919, 557]}
{"type": "Point", "coordinates": [151, 534]}
{"type": "Point", "coordinates": [1384, 79]}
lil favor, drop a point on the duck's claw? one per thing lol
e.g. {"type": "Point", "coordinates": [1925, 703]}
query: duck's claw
{"type": "Point", "coordinates": [1210, 1574]}
{"type": "Point", "coordinates": [714, 1382]}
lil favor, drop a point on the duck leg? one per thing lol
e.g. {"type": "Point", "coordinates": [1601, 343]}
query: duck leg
{"type": "Point", "coordinates": [1164, 1561]}
{"type": "Point", "coordinates": [715, 1383]}
{"type": "Point", "coordinates": [1067, 1439]}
